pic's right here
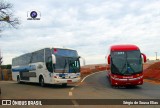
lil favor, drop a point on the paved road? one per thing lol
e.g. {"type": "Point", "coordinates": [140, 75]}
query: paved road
{"type": "Point", "coordinates": [95, 86]}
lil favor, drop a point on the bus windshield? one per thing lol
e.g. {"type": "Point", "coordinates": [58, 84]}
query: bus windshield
{"type": "Point", "coordinates": [67, 64]}
{"type": "Point", "coordinates": [126, 62]}
{"type": "Point", "coordinates": [67, 61]}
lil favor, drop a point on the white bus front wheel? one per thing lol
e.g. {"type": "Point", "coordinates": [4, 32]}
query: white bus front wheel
{"type": "Point", "coordinates": [64, 84]}
{"type": "Point", "coordinates": [42, 82]}
{"type": "Point", "coordinates": [18, 79]}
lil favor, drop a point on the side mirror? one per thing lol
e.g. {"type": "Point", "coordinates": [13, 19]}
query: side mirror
{"type": "Point", "coordinates": [84, 62]}
{"type": "Point", "coordinates": [109, 59]}
{"type": "Point", "coordinates": [53, 59]}
{"type": "Point", "coordinates": [144, 57]}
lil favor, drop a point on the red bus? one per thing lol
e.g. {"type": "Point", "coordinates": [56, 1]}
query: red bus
{"type": "Point", "coordinates": [125, 65]}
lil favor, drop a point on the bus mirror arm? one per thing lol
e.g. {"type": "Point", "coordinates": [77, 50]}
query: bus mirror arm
{"type": "Point", "coordinates": [144, 57]}
{"type": "Point", "coordinates": [109, 59]}
{"type": "Point", "coordinates": [84, 62]}
{"type": "Point", "coordinates": [53, 59]}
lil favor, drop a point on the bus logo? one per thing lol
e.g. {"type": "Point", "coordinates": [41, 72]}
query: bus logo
{"type": "Point", "coordinates": [33, 15]}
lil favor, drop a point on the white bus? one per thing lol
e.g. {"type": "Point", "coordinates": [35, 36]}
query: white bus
{"type": "Point", "coordinates": [47, 66]}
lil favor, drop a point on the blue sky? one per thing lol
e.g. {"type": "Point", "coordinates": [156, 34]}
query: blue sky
{"type": "Point", "coordinates": [89, 26]}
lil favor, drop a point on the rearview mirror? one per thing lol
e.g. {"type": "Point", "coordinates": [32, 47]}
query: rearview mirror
{"type": "Point", "coordinates": [84, 62]}
{"type": "Point", "coordinates": [53, 59]}
{"type": "Point", "coordinates": [144, 57]}
{"type": "Point", "coordinates": [109, 59]}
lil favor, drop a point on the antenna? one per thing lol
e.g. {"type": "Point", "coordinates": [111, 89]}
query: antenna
{"type": "Point", "coordinates": [156, 55]}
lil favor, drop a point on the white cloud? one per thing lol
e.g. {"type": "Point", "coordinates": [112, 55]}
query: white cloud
{"type": "Point", "coordinates": [89, 26]}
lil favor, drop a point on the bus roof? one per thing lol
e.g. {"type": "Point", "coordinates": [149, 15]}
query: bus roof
{"type": "Point", "coordinates": [123, 47]}
{"type": "Point", "coordinates": [46, 48]}
{"type": "Point", "coordinates": [62, 48]}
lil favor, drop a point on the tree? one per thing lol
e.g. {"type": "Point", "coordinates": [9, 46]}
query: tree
{"type": "Point", "coordinates": [6, 16]}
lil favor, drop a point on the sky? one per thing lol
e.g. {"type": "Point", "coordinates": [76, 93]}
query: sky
{"type": "Point", "coordinates": [88, 26]}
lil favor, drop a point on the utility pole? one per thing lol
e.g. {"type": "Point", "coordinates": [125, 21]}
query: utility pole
{"type": "Point", "coordinates": [156, 55]}
{"type": "Point", "coordinates": [0, 58]}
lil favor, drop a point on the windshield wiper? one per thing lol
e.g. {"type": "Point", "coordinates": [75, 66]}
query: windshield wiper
{"type": "Point", "coordinates": [130, 67]}
{"type": "Point", "coordinates": [123, 67]}
{"type": "Point", "coordinates": [64, 66]}
{"type": "Point", "coordinates": [72, 67]}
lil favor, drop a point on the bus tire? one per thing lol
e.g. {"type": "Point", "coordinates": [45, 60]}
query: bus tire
{"type": "Point", "coordinates": [64, 84]}
{"type": "Point", "coordinates": [114, 86]}
{"type": "Point", "coordinates": [41, 82]}
{"type": "Point", "coordinates": [18, 79]}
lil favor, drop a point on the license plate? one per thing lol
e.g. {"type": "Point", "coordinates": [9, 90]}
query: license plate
{"type": "Point", "coordinates": [69, 81]}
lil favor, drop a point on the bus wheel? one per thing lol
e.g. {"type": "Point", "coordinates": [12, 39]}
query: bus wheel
{"type": "Point", "coordinates": [64, 84]}
{"type": "Point", "coordinates": [41, 82]}
{"type": "Point", "coordinates": [18, 79]}
{"type": "Point", "coordinates": [114, 86]}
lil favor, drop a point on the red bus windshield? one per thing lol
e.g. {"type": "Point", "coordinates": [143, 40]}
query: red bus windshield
{"type": "Point", "coordinates": [126, 62]}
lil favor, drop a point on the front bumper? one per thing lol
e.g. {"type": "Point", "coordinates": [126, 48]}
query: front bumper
{"type": "Point", "coordinates": [60, 81]}
{"type": "Point", "coordinates": [126, 82]}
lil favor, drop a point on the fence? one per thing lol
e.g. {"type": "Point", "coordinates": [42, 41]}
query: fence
{"type": "Point", "coordinates": [5, 74]}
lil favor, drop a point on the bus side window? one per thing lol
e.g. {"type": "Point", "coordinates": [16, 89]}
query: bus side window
{"type": "Point", "coordinates": [49, 64]}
